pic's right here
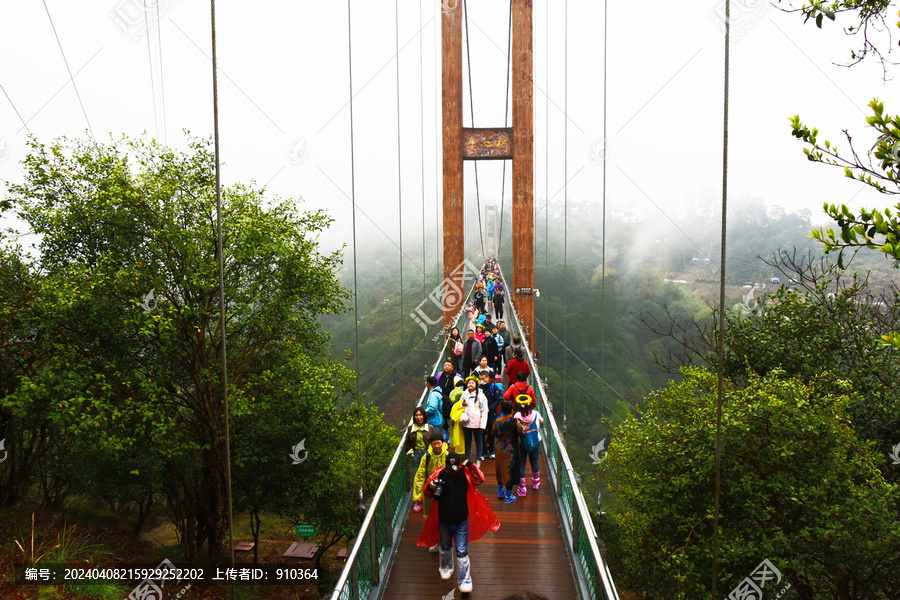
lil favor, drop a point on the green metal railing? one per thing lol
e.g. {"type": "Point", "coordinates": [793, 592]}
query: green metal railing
{"type": "Point", "coordinates": [372, 553]}
{"type": "Point", "coordinates": [590, 569]}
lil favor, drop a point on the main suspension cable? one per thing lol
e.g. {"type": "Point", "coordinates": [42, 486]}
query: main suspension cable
{"type": "Point", "coordinates": [150, 65]}
{"type": "Point", "coordinates": [720, 337]}
{"type": "Point", "coordinates": [603, 209]}
{"type": "Point", "coordinates": [472, 110]}
{"type": "Point", "coordinates": [221, 268]}
{"type": "Point", "coordinates": [71, 77]}
{"type": "Point", "coordinates": [400, 185]}
{"type": "Point", "coordinates": [162, 78]}
{"type": "Point", "coordinates": [355, 270]}
{"type": "Point", "coordinates": [505, 124]}
{"type": "Point", "coordinates": [565, 210]}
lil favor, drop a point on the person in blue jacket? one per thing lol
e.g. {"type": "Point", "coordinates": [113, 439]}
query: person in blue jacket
{"type": "Point", "coordinates": [434, 404]}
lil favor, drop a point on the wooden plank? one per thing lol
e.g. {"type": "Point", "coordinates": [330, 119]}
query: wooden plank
{"type": "Point", "coordinates": [523, 164]}
{"type": "Point", "coordinates": [454, 216]}
{"type": "Point", "coordinates": [482, 143]}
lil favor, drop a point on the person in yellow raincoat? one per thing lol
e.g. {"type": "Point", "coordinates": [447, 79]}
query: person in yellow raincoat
{"type": "Point", "coordinates": [456, 439]}
{"type": "Point", "coordinates": [434, 458]}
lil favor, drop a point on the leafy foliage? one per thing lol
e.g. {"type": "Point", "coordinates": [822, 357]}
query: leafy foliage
{"type": "Point", "coordinates": [880, 168]}
{"type": "Point", "coordinates": [871, 18]}
{"type": "Point", "coordinates": [798, 486]}
{"type": "Point", "coordinates": [115, 382]}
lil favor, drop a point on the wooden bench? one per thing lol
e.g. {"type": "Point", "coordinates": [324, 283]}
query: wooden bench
{"type": "Point", "coordinates": [300, 550]}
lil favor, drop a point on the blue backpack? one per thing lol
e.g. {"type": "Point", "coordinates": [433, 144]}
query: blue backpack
{"type": "Point", "coordinates": [531, 440]}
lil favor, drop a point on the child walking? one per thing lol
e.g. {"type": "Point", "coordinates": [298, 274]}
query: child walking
{"type": "Point", "coordinates": [528, 422]}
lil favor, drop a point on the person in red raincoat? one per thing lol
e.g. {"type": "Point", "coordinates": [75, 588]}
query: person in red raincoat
{"type": "Point", "coordinates": [462, 514]}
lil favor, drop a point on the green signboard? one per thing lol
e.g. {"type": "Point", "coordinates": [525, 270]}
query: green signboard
{"type": "Point", "coordinates": [306, 530]}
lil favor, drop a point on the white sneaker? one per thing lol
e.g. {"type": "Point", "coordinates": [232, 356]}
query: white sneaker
{"type": "Point", "coordinates": [435, 549]}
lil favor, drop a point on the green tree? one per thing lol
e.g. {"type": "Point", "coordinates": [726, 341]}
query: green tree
{"type": "Point", "coordinates": [128, 311]}
{"type": "Point", "coordinates": [879, 167]}
{"type": "Point", "coordinates": [799, 488]}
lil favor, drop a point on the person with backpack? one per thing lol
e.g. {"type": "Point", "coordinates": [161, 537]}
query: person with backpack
{"type": "Point", "coordinates": [507, 337]}
{"type": "Point", "coordinates": [494, 394]}
{"type": "Point", "coordinates": [434, 404]}
{"type": "Point", "coordinates": [433, 459]}
{"type": "Point", "coordinates": [509, 352]}
{"type": "Point", "coordinates": [521, 387]}
{"type": "Point", "coordinates": [506, 437]}
{"type": "Point", "coordinates": [528, 423]}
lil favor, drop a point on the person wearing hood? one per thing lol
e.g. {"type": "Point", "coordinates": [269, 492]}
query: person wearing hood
{"type": "Point", "coordinates": [456, 438]}
{"type": "Point", "coordinates": [521, 386]}
{"type": "Point", "coordinates": [463, 514]}
{"type": "Point", "coordinates": [434, 458]}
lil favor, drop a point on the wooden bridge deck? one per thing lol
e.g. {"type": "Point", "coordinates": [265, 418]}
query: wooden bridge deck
{"type": "Point", "coordinates": [526, 553]}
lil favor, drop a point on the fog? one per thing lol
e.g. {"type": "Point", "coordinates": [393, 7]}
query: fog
{"type": "Point", "coordinates": [285, 113]}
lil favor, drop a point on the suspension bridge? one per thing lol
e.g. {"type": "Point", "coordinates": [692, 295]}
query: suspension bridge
{"type": "Point", "coordinates": [547, 543]}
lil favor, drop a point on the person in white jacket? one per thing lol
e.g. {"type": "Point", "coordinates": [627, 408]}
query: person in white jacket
{"type": "Point", "coordinates": [474, 419]}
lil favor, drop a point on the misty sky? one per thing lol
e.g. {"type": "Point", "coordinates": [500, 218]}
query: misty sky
{"type": "Point", "coordinates": [284, 90]}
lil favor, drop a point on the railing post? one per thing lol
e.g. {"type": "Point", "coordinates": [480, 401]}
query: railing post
{"type": "Point", "coordinates": [408, 468]}
{"type": "Point", "coordinates": [354, 580]}
{"type": "Point", "coordinates": [574, 525]}
{"type": "Point", "coordinates": [558, 465]}
{"type": "Point", "coordinates": [388, 516]}
{"type": "Point", "coordinates": [373, 547]}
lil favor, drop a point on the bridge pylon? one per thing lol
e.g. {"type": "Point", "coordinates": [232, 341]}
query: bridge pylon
{"type": "Point", "coordinates": [514, 143]}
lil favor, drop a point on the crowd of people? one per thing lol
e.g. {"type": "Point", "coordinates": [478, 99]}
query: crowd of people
{"type": "Point", "coordinates": [481, 401]}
